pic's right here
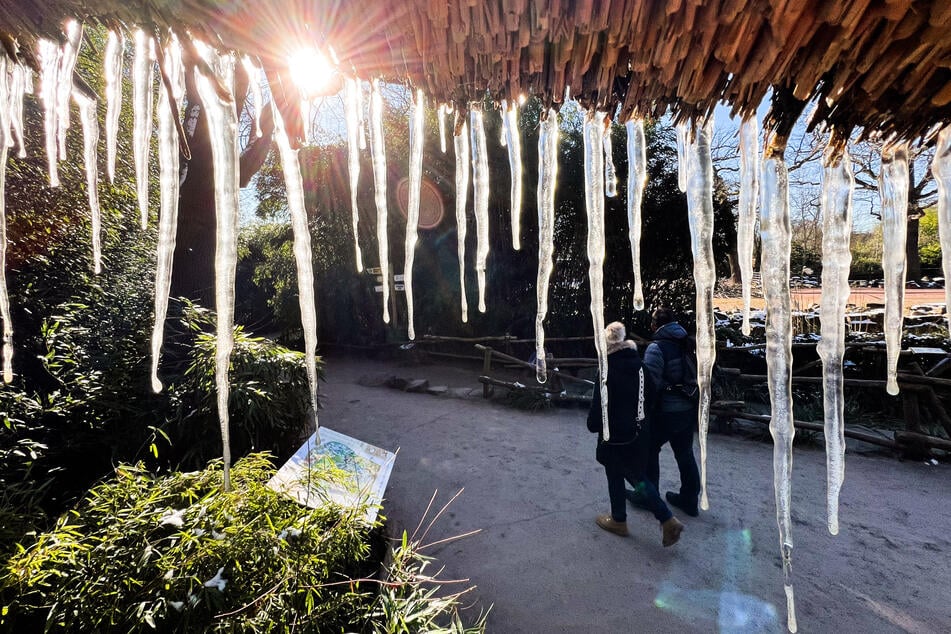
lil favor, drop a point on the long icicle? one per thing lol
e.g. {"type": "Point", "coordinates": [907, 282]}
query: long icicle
{"type": "Point", "coordinates": [513, 143]}
{"type": "Point", "coordinates": [775, 234]}
{"type": "Point", "coordinates": [254, 85]}
{"type": "Point", "coordinates": [49, 69]}
{"type": "Point", "coordinates": [64, 81]}
{"type": "Point", "coordinates": [142, 79]}
{"type": "Point", "coordinates": [594, 205]}
{"type": "Point", "coordinates": [461, 145]}
{"type": "Point", "coordinates": [837, 186]}
{"type": "Point", "coordinates": [480, 196]}
{"type": "Point", "coordinates": [610, 173]}
{"type": "Point", "coordinates": [302, 254]}
{"type": "Point", "coordinates": [746, 220]}
{"type": "Point", "coordinates": [893, 190]}
{"type": "Point", "coordinates": [223, 131]}
{"type": "Point", "coordinates": [682, 156]}
{"type": "Point", "coordinates": [699, 174]}
{"type": "Point", "coordinates": [90, 124]}
{"type": "Point", "coordinates": [115, 45]}
{"type": "Point", "coordinates": [352, 104]}
{"type": "Point", "coordinates": [416, 136]}
{"type": "Point", "coordinates": [4, 294]}
{"type": "Point", "coordinates": [18, 79]}
{"type": "Point", "coordinates": [941, 169]}
{"type": "Point", "coordinates": [547, 180]}
{"type": "Point", "coordinates": [441, 115]}
{"type": "Point", "coordinates": [379, 180]}
{"type": "Point", "coordinates": [168, 113]}
{"type": "Point", "coordinates": [636, 180]}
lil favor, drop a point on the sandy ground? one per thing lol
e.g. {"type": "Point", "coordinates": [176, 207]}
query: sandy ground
{"type": "Point", "coordinates": [532, 489]}
{"type": "Point", "coordinates": [804, 298]}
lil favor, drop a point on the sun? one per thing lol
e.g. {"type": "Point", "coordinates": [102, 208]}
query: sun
{"type": "Point", "coordinates": [314, 73]}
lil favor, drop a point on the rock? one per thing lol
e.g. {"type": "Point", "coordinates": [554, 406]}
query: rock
{"type": "Point", "coordinates": [396, 382]}
{"type": "Point", "coordinates": [417, 385]}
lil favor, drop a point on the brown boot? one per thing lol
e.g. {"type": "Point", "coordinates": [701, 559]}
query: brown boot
{"type": "Point", "coordinates": [607, 523]}
{"type": "Point", "coordinates": [672, 529]}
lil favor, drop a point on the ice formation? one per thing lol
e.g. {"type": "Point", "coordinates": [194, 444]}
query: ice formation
{"type": "Point", "coordinates": [776, 236]}
{"type": "Point", "coordinates": [4, 296]}
{"type": "Point", "coordinates": [351, 101]}
{"type": "Point", "coordinates": [18, 80]}
{"type": "Point", "coordinates": [480, 196]}
{"type": "Point", "coordinates": [115, 45]}
{"type": "Point", "coordinates": [303, 255]}
{"type": "Point", "coordinates": [379, 180]}
{"type": "Point", "coordinates": [610, 173]}
{"type": "Point", "coordinates": [636, 180]}
{"type": "Point", "coordinates": [441, 115]}
{"type": "Point", "coordinates": [941, 168]}
{"type": "Point", "coordinates": [90, 125]}
{"type": "Point", "coordinates": [547, 180]}
{"type": "Point", "coordinates": [699, 174]}
{"type": "Point", "coordinates": [461, 145]}
{"type": "Point", "coordinates": [893, 190]}
{"type": "Point", "coordinates": [142, 80]}
{"type": "Point", "coordinates": [64, 81]}
{"type": "Point", "coordinates": [168, 115]}
{"type": "Point", "coordinates": [594, 205]}
{"type": "Point", "coordinates": [416, 136]}
{"type": "Point", "coordinates": [682, 156]}
{"type": "Point", "coordinates": [513, 142]}
{"type": "Point", "coordinates": [837, 186]}
{"type": "Point", "coordinates": [49, 55]}
{"type": "Point", "coordinates": [223, 131]}
{"type": "Point", "coordinates": [746, 221]}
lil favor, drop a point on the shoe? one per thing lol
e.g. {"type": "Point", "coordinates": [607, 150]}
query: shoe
{"type": "Point", "coordinates": [636, 498]}
{"type": "Point", "coordinates": [610, 525]}
{"type": "Point", "coordinates": [672, 529]}
{"type": "Point", "coordinates": [677, 500]}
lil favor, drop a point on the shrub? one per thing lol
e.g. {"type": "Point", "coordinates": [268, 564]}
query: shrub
{"type": "Point", "coordinates": [176, 554]}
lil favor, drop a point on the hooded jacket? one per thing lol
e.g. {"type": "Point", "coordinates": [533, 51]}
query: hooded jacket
{"type": "Point", "coordinates": [663, 361]}
{"type": "Point", "coordinates": [624, 378]}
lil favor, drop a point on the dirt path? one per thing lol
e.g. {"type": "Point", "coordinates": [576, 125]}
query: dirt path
{"type": "Point", "coordinates": [804, 298]}
{"type": "Point", "coordinates": [533, 488]}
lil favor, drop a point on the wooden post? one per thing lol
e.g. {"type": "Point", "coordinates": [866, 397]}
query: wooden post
{"type": "Point", "coordinates": [486, 369]}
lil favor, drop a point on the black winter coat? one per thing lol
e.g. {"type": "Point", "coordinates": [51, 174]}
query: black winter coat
{"type": "Point", "coordinates": [624, 379]}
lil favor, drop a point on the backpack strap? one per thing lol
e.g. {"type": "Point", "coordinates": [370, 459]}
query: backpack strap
{"type": "Point", "coordinates": [640, 394]}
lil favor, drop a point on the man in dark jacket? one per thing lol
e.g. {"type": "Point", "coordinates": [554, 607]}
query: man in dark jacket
{"type": "Point", "coordinates": [625, 453]}
{"type": "Point", "coordinates": [674, 418]}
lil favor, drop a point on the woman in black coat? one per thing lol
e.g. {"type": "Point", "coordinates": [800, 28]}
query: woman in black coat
{"type": "Point", "coordinates": [625, 454]}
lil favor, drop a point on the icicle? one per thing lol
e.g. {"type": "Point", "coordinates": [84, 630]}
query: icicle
{"type": "Point", "coordinates": [480, 196]}
{"type": "Point", "coordinates": [746, 221]}
{"type": "Point", "coordinates": [302, 253]}
{"type": "Point", "coordinates": [837, 186]}
{"type": "Point", "coordinates": [461, 146]}
{"type": "Point", "coordinates": [636, 180]}
{"type": "Point", "coordinates": [351, 104]}
{"type": "Point", "coordinates": [168, 113]}
{"type": "Point", "coordinates": [115, 45]}
{"type": "Point", "coordinates": [361, 131]}
{"type": "Point", "coordinates": [594, 205]}
{"type": "Point", "coordinates": [893, 190]}
{"type": "Point", "coordinates": [610, 173]}
{"type": "Point", "coordinates": [700, 209]}
{"type": "Point", "coordinates": [941, 169]}
{"type": "Point", "coordinates": [17, 88]}
{"type": "Point", "coordinates": [682, 156]}
{"type": "Point", "coordinates": [64, 82]}
{"type": "Point", "coordinates": [142, 79]}
{"type": "Point", "coordinates": [379, 180]}
{"type": "Point", "coordinates": [254, 84]}
{"type": "Point", "coordinates": [4, 295]}
{"type": "Point", "coordinates": [504, 124]}
{"type": "Point", "coordinates": [775, 234]}
{"type": "Point", "coordinates": [441, 115]}
{"type": "Point", "coordinates": [223, 131]}
{"type": "Point", "coordinates": [416, 136]}
{"type": "Point", "coordinates": [547, 179]}
{"type": "Point", "coordinates": [90, 123]}
{"type": "Point", "coordinates": [49, 69]}
{"type": "Point", "coordinates": [514, 144]}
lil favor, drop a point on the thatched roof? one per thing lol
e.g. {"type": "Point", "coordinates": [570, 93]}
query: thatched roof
{"type": "Point", "coordinates": [883, 64]}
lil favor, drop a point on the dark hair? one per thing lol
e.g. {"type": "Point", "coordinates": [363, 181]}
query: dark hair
{"type": "Point", "coordinates": [663, 316]}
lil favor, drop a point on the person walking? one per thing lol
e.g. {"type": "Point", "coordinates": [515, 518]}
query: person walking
{"type": "Point", "coordinates": [674, 417]}
{"type": "Point", "coordinates": [624, 455]}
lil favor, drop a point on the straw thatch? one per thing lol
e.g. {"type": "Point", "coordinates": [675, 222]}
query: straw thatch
{"type": "Point", "coordinates": [882, 64]}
